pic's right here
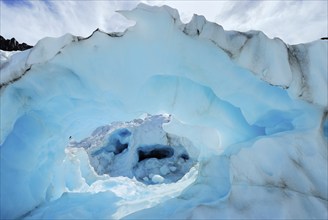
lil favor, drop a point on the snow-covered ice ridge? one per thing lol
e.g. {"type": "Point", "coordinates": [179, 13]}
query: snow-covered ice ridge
{"type": "Point", "coordinates": [247, 116]}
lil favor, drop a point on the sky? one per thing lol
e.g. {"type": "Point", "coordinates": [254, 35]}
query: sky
{"type": "Point", "coordinates": [294, 21]}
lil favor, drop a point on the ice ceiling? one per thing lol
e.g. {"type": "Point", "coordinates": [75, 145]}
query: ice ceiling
{"type": "Point", "coordinates": [167, 120]}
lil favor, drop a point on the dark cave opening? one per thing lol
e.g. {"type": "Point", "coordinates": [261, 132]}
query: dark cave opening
{"type": "Point", "coordinates": [156, 151]}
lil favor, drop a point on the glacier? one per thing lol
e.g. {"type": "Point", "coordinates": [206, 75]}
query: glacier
{"type": "Point", "coordinates": [165, 120]}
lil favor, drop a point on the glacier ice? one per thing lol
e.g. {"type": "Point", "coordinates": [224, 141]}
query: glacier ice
{"type": "Point", "coordinates": [139, 149]}
{"type": "Point", "coordinates": [246, 116]}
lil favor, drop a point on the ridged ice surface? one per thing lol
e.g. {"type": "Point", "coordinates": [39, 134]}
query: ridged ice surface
{"type": "Point", "coordinates": [240, 117]}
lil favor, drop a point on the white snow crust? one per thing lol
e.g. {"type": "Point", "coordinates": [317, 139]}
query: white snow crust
{"type": "Point", "coordinates": [248, 114]}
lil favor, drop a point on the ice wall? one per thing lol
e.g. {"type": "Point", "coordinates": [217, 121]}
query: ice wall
{"type": "Point", "coordinates": [239, 97]}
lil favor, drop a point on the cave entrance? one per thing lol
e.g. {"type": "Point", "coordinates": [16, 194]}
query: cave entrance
{"type": "Point", "coordinates": [129, 149]}
{"type": "Point", "coordinates": [157, 151]}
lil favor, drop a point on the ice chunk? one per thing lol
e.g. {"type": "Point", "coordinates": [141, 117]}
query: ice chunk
{"type": "Point", "coordinates": [157, 179]}
{"type": "Point", "coordinates": [164, 170]}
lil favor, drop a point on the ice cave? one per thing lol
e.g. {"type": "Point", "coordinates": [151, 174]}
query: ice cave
{"type": "Point", "coordinates": [139, 149]}
{"type": "Point", "coordinates": [166, 120]}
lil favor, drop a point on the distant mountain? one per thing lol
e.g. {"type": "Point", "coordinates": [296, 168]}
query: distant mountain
{"type": "Point", "coordinates": [12, 44]}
